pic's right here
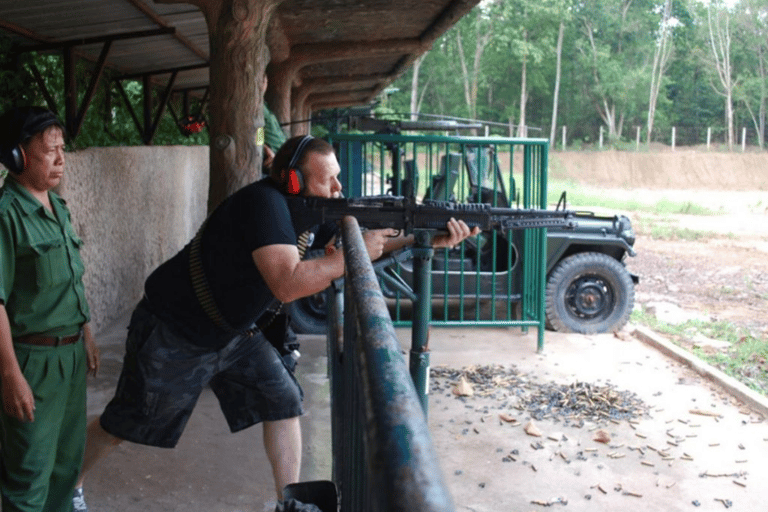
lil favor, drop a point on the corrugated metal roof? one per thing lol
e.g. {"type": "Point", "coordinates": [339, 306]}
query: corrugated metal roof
{"type": "Point", "coordinates": [296, 24]}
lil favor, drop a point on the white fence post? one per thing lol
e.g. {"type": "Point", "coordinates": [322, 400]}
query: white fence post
{"type": "Point", "coordinates": [638, 139]}
{"type": "Point", "coordinates": [564, 130]}
{"type": "Point", "coordinates": [673, 138]}
{"type": "Point", "coordinates": [743, 139]}
{"type": "Point", "coordinates": [601, 137]}
{"type": "Point", "coordinates": [709, 136]}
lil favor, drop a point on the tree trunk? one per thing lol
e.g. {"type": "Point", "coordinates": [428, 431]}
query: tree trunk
{"type": "Point", "coordinates": [237, 32]}
{"type": "Point", "coordinates": [522, 130]}
{"type": "Point", "coordinates": [605, 106]}
{"type": "Point", "coordinates": [415, 88]}
{"type": "Point", "coordinates": [760, 121]}
{"type": "Point", "coordinates": [720, 41]}
{"type": "Point", "coordinates": [660, 59]}
{"type": "Point", "coordinates": [471, 79]}
{"type": "Point", "coordinates": [464, 73]}
{"type": "Point", "coordinates": [553, 128]}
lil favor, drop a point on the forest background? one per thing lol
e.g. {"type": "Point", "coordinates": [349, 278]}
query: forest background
{"type": "Point", "coordinates": [534, 66]}
{"type": "Point", "coordinates": [628, 70]}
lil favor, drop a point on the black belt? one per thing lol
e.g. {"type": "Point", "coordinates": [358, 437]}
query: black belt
{"type": "Point", "coordinates": [48, 341]}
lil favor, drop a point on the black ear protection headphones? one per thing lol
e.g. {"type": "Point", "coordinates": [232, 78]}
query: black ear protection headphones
{"type": "Point", "coordinates": [17, 126]}
{"type": "Point", "coordinates": [291, 177]}
{"type": "Point", "coordinates": [18, 160]}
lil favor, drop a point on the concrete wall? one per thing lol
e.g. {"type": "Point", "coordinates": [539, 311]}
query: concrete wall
{"type": "Point", "coordinates": [134, 207]}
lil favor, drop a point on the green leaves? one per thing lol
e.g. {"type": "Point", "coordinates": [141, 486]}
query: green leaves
{"type": "Point", "coordinates": [607, 68]}
{"type": "Point", "coordinates": [108, 121]}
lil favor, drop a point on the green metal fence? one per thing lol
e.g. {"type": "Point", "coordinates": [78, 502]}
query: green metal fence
{"type": "Point", "coordinates": [497, 279]}
{"type": "Point", "coordinates": [383, 457]}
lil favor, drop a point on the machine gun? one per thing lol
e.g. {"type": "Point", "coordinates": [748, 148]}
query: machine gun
{"type": "Point", "coordinates": [406, 215]}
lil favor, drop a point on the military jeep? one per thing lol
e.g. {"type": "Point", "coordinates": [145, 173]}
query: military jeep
{"type": "Point", "coordinates": [588, 288]}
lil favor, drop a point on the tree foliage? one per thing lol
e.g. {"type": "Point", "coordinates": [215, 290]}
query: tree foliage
{"type": "Point", "coordinates": [499, 64]}
{"type": "Point", "coordinates": [108, 121]}
{"type": "Point", "coordinates": [614, 75]}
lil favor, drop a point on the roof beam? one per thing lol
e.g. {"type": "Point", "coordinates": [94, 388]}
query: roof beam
{"type": "Point", "coordinates": [302, 54]}
{"type": "Point", "coordinates": [134, 76]}
{"type": "Point", "coordinates": [23, 32]}
{"type": "Point", "coordinates": [447, 19]}
{"type": "Point", "coordinates": [327, 100]}
{"type": "Point", "coordinates": [149, 13]}
{"type": "Point", "coordinates": [56, 45]}
{"type": "Point", "coordinates": [91, 91]}
{"type": "Point", "coordinates": [343, 80]}
{"type": "Point", "coordinates": [128, 105]}
{"type": "Point", "coordinates": [352, 83]}
{"type": "Point", "coordinates": [43, 88]}
{"type": "Point", "coordinates": [161, 108]}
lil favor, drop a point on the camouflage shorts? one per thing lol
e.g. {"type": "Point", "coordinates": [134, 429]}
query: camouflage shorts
{"type": "Point", "coordinates": [163, 376]}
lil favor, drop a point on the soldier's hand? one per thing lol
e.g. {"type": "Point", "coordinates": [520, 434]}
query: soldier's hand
{"type": "Point", "coordinates": [457, 232]}
{"type": "Point", "coordinates": [18, 400]}
{"type": "Point", "coordinates": [93, 356]}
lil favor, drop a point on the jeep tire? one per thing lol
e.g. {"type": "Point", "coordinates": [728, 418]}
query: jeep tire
{"type": "Point", "coordinates": [589, 293]}
{"type": "Point", "coordinates": [309, 315]}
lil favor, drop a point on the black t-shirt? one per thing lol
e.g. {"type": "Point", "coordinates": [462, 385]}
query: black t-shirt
{"type": "Point", "coordinates": [255, 216]}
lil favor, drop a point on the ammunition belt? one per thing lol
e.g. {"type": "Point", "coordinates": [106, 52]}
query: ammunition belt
{"type": "Point", "coordinates": [203, 289]}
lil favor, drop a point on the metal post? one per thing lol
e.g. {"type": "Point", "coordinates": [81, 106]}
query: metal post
{"type": "Point", "coordinates": [422, 314]}
{"type": "Point", "coordinates": [70, 89]}
{"type": "Point", "coordinates": [335, 351]}
{"type": "Point", "coordinates": [743, 139]}
{"type": "Point", "coordinates": [147, 109]}
{"type": "Point", "coordinates": [674, 136]}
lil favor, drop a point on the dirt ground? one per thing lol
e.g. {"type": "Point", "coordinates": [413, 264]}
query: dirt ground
{"type": "Point", "coordinates": [707, 267]}
{"type": "Point", "coordinates": [723, 275]}
{"type": "Point", "coordinates": [716, 266]}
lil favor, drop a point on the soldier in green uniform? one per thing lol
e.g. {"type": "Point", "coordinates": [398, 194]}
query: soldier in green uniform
{"type": "Point", "coordinates": [46, 347]}
{"type": "Point", "coordinates": [274, 136]}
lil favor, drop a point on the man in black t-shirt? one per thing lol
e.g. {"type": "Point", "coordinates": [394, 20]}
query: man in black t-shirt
{"type": "Point", "coordinates": [202, 319]}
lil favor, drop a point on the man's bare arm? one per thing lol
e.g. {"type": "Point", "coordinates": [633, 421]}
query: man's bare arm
{"type": "Point", "coordinates": [290, 278]}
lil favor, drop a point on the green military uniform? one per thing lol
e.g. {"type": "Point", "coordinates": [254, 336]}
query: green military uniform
{"type": "Point", "coordinates": [274, 136]}
{"type": "Point", "coordinates": [42, 290]}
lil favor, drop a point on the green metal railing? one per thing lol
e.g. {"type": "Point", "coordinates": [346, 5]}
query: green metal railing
{"type": "Point", "coordinates": [495, 280]}
{"type": "Point", "coordinates": [383, 458]}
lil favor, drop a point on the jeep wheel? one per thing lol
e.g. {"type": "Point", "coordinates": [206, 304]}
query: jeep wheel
{"type": "Point", "coordinates": [309, 315]}
{"type": "Point", "coordinates": [589, 293]}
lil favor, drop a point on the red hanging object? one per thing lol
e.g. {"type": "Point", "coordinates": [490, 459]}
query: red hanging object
{"type": "Point", "coordinates": [191, 124]}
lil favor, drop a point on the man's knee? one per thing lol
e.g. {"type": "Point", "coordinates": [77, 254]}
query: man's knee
{"type": "Point", "coordinates": [284, 421]}
{"type": "Point", "coordinates": [97, 434]}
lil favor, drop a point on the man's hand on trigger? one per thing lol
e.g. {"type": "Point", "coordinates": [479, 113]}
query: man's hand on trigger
{"type": "Point", "coordinates": [376, 239]}
{"type": "Point", "coordinates": [457, 232]}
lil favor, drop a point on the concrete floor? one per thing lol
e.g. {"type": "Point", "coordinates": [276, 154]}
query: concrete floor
{"type": "Point", "coordinates": [213, 470]}
{"type": "Point", "coordinates": [569, 465]}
